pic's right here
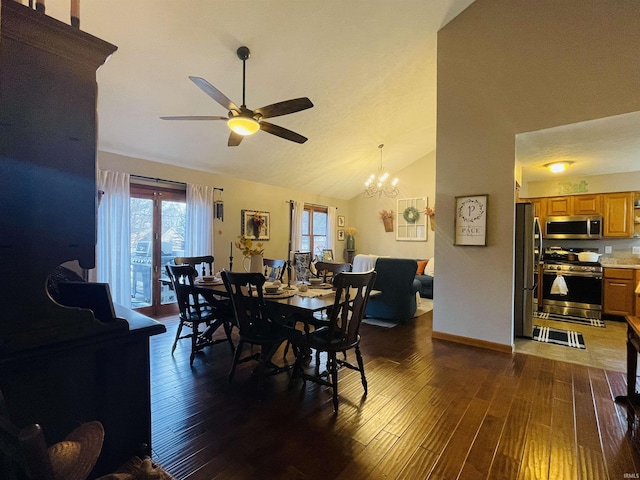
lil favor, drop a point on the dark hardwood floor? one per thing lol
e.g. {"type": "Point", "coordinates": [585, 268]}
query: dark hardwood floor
{"type": "Point", "coordinates": [435, 409]}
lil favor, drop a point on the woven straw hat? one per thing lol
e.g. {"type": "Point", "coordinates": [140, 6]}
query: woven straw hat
{"type": "Point", "coordinates": [76, 455]}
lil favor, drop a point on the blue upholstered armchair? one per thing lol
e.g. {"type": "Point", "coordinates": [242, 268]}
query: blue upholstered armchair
{"type": "Point", "coordinates": [396, 279]}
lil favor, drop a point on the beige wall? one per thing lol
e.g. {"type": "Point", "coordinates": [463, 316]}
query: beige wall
{"type": "Point", "coordinates": [417, 180]}
{"type": "Point", "coordinates": [615, 182]}
{"type": "Point", "coordinates": [507, 67]}
{"type": "Point", "coordinates": [238, 194]}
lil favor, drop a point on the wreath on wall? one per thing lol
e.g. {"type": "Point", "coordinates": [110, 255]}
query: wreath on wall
{"type": "Point", "coordinates": [411, 214]}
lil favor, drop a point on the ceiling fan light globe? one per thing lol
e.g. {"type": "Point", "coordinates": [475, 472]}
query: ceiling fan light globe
{"type": "Point", "coordinates": [243, 125]}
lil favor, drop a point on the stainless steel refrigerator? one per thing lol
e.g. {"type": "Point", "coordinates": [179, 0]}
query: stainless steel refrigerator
{"type": "Point", "coordinates": [528, 254]}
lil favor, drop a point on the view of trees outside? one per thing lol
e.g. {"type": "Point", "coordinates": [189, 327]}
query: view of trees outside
{"type": "Point", "coordinates": [172, 234]}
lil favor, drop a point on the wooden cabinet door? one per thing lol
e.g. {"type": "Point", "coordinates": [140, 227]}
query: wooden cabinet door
{"type": "Point", "coordinates": [618, 214]}
{"type": "Point", "coordinates": [618, 291]}
{"type": "Point", "coordinates": [558, 206]}
{"type": "Point", "coordinates": [587, 204]}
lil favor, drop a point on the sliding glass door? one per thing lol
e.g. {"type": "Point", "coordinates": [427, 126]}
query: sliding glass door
{"type": "Point", "coordinates": [158, 218]}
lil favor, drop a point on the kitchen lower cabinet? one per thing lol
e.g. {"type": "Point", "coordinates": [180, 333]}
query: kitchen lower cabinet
{"type": "Point", "coordinates": [618, 291]}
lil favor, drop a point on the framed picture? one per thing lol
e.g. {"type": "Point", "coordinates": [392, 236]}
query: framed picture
{"type": "Point", "coordinates": [327, 255]}
{"type": "Point", "coordinates": [341, 235]}
{"type": "Point", "coordinates": [341, 220]}
{"type": "Point", "coordinates": [411, 222]}
{"type": "Point", "coordinates": [255, 225]}
{"type": "Point", "coordinates": [471, 220]}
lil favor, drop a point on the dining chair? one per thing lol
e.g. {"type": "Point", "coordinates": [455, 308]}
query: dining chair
{"type": "Point", "coordinates": [273, 269]}
{"type": "Point", "coordinates": [255, 327]}
{"type": "Point", "coordinates": [204, 263]}
{"type": "Point", "coordinates": [301, 264]}
{"type": "Point", "coordinates": [194, 313]}
{"type": "Point", "coordinates": [328, 270]}
{"type": "Point", "coordinates": [341, 334]}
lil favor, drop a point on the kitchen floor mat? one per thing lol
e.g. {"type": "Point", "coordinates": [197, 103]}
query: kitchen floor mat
{"type": "Point", "coordinates": [592, 322]}
{"type": "Point", "coordinates": [567, 338]}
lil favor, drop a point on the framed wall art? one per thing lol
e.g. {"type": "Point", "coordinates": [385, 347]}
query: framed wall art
{"type": "Point", "coordinates": [255, 225]}
{"type": "Point", "coordinates": [471, 220]}
{"type": "Point", "coordinates": [341, 235]}
{"type": "Point", "coordinates": [340, 220]}
{"type": "Point", "coordinates": [412, 221]}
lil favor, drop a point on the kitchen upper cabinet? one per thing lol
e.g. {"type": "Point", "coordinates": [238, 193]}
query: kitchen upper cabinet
{"type": "Point", "coordinates": [618, 291]}
{"type": "Point", "coordinates": [587, 204]}
{"type": "Point", "coordinates": [559, 206]}
{"type": "Point", "coordinates": [618, 214]}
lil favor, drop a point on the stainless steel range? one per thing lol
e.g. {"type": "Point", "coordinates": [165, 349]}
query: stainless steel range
{"type": "Point", "coordinates": [582, 295]}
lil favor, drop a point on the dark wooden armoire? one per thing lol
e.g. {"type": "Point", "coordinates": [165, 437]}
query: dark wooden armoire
{"type": "Point", "coordinates": [60, 366]}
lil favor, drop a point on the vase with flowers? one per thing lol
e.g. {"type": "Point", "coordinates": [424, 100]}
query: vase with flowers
{"type": "Point", "coordinates": [257, 222]}
{"type": "Point", "coordinates": [387, 219]}
{"type": "Point", "coordinates": [431, 213]}
{"type": "Point", "coordinates": [253, 252]}
{"type": "Point", "coordinates": [351, 239]}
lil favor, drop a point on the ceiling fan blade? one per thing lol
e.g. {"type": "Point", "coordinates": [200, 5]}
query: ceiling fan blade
{"type": "Point", "coordinates": [214, 93]}
{"type": "Point", "coordinates": [234, 139]}
{"type": "Point", "coordinates": [282, 132]}
{"type": "Point", "coordinates": [284, 108]}
{"type": "Point", "coordinates": [195, 117]}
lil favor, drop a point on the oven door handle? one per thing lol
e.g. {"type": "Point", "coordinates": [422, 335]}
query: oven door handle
{"type": "Point", "coordinates": [597, 276]}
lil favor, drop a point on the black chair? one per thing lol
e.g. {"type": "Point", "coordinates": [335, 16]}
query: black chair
{"type": "Point", "coordinates": [204, 263]}
{"type": "Point", "coordinates": [301, 264]}
{"type": "Point", "coordinates": [194, 313]}
{"type": "Point", "coordinates": [328, 270]}
{"type": "Point", "coordinates": [255, 327]}
{"type": "Point", "coordinates": [341, 333]}
{"type": "Point", "coordinates": [273, 269]}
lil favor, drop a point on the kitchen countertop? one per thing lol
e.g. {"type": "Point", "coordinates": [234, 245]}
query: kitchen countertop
{"type": "Point", "coordinates": [620, 265]}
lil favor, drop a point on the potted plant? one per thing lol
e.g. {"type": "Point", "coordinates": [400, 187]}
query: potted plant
{"type": "Point", "coordinates": [351, 239]}
{"type": "Point", "coordinates": [387, 219]}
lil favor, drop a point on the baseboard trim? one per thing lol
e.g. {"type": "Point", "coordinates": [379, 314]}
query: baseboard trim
{"type": "Point", "coordinates": [474, 342]}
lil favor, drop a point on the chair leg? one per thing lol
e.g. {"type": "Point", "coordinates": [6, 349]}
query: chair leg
{"type": "Point", "coordinates": [228, 327]}
{"type": "Point", "coordinates": [333, 370]}
{"type": "Point", "coordinates": [175, 342]}
{"type": "Point", "coordinates": [361, 366]}
{"type": "Point", "coordinates": [236, 357]}
{"type": "Point", "coordinates": [194, 342]}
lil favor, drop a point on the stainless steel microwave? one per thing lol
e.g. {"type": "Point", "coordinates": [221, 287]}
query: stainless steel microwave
{"type": "Point", "coordinates": [574, 227]}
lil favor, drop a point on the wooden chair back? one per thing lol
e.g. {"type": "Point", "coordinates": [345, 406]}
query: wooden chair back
{"type": "Point", "coordinates": [245, 292]}
{"type": "Point", "coordinates": [345, 317]}
{"type": "Point", "coordinates": [301, 263]}
{"type": "Point", "coordinates": [328, 270]}
{"type": "Point", "coordinates": [183, 278]}
{"type": "Point", "coordinates": [204, 263]}
{"type": "Point", "coordinates": [273, 269]}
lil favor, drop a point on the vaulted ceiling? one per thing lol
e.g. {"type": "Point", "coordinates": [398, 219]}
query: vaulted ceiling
{"type": "Point", "coordinates": [369, 67]}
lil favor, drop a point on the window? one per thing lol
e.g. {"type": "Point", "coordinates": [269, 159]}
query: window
{"type": "Point", "coordinates": [314, 229]}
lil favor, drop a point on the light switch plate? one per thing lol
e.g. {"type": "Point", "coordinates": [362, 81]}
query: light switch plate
{"type": "Point", "coordinates": [635, 250]}
{"type": "Point", "coordinates": [607, 249]}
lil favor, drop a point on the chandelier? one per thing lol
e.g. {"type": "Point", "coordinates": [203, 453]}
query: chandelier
{"type": "Point", "coordinates": [379, 184]}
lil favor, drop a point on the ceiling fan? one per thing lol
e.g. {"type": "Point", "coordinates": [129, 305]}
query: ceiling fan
{"type": "Point", "coordinates": [243, 121]}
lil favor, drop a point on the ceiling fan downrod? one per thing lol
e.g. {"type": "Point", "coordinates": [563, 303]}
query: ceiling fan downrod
{"type": "Point", "coordinates": [243, 54]}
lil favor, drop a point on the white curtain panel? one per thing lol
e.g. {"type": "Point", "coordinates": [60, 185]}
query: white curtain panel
{"type": "Point", "coordinates": [199, 227]}
{"type": "Point", "coordinates": [113, 262]}
{"type": "Point", "coordinates": [331, 229]}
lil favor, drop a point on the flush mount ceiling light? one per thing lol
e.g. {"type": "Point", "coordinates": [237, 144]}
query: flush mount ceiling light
{"type": "Point", "coordinates": [557, 167]}
{"type": "Point", "coordinates": [379, 184]}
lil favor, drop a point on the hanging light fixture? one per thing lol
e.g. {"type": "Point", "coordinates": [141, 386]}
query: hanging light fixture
{"type": "Point", "coordinates": [379, 184]}
{"type": "Point", "coordinates": [557, 167]}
